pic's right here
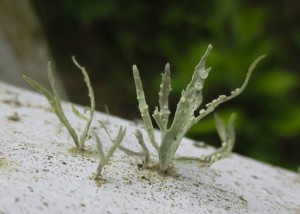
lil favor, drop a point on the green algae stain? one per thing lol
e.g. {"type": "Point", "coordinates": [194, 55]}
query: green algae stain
{"type": "Point", "coordinates": [87, 153]}
{"type": "Point", "coordinates": [2, 162]}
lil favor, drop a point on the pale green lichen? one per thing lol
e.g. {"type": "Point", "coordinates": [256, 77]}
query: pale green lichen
{"type": "Point", "coordinates": [145, 153]}
{"type": "Point", "coordinates": [185, 116]}
{"type": "Point", "coordinates": [104, 158]}
{"type": "Point", "coordinates": [227, 136]}
{"type": "Point", "coordinates": [55, 102]}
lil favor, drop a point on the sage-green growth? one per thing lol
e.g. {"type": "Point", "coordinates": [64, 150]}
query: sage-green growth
{"type": "Point", "coordinates": [185, 116]}
{"type": "Point", "coordinates": [104, 158]}
{"type": "Point", "coordinates": [55, 102]}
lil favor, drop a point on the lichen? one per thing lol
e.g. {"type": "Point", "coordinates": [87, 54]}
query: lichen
{"type": "Point", "coordinates": [185, 117]}
{"type": "Point", "coordinates": [55, 102]}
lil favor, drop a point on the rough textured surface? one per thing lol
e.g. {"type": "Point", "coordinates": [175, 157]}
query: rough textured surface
{"type": "Point", "coordinates": [38, 173]}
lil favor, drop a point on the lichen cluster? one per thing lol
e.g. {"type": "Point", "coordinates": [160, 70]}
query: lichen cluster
{"type": "Point", "coordinates": [187, 114]}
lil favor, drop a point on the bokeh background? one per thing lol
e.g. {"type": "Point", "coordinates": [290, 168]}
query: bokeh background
{"type": "Point", "coordinates": [108, 37]}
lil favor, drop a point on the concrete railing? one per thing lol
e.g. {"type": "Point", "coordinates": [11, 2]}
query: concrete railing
{"type": "Point", "coordinates": [40, 174]}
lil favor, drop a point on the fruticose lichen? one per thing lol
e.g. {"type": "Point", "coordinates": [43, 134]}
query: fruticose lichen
{"type": "Point", "coordinates": [104, 158]}
{"type": "Point", "coordinates": [55, 102]}
{"type": "Point", "coordinates": [185, 117]}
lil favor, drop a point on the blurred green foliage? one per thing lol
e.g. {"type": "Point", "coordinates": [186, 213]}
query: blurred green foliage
{"type": "Point", "coordinates": [109, 36]}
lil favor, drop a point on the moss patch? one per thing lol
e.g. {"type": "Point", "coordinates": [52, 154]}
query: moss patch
{"type": "Point", "coordinates": [153, 169]}
{"type": "Point", "coordinates": [2, 162]}
{"type": "Point", "coordinates": [14, 117]}
{"type": "Point", "coordinates": [99, 181]}
{"type": "Point", "coordinates": [87, 153]}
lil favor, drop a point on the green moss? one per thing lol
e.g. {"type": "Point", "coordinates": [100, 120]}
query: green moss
{"type": "Point", "coordinates": [14, 117]}
{"type": "Point", "coordinates": [2, 162]}
{"type": "Point", "coordinates": [154, 170]}
{"type": "Point", "coordinates": [87, 153]}
{"type": "Point", "coordinates": [99, 180]}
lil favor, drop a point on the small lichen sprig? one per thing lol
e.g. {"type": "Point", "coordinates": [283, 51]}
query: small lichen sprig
{"type": "Point", "coordinates": [55, 102]}
{"type": "Point", "coordinates": [227, 136]}
{"type": "Point", "coordinates": [185, 116]}
{"type": "Point", "coordinates": [104, 158]}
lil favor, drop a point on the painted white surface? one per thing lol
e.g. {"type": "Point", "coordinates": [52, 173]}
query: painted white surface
{"type": "Point", "coordinates": [39, 175]}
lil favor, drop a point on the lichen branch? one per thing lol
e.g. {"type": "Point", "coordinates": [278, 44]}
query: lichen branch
{"type": "Point", "coordinates": [227, 136]}
{"type": "Point", "coordinates": [145, 153]}
{"type": "Point", "coordinates": [55, 102]}
{"type": "Point", "coordinates": [104, 158]}
{"type": "Point", "coordinates": [144, 107]}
